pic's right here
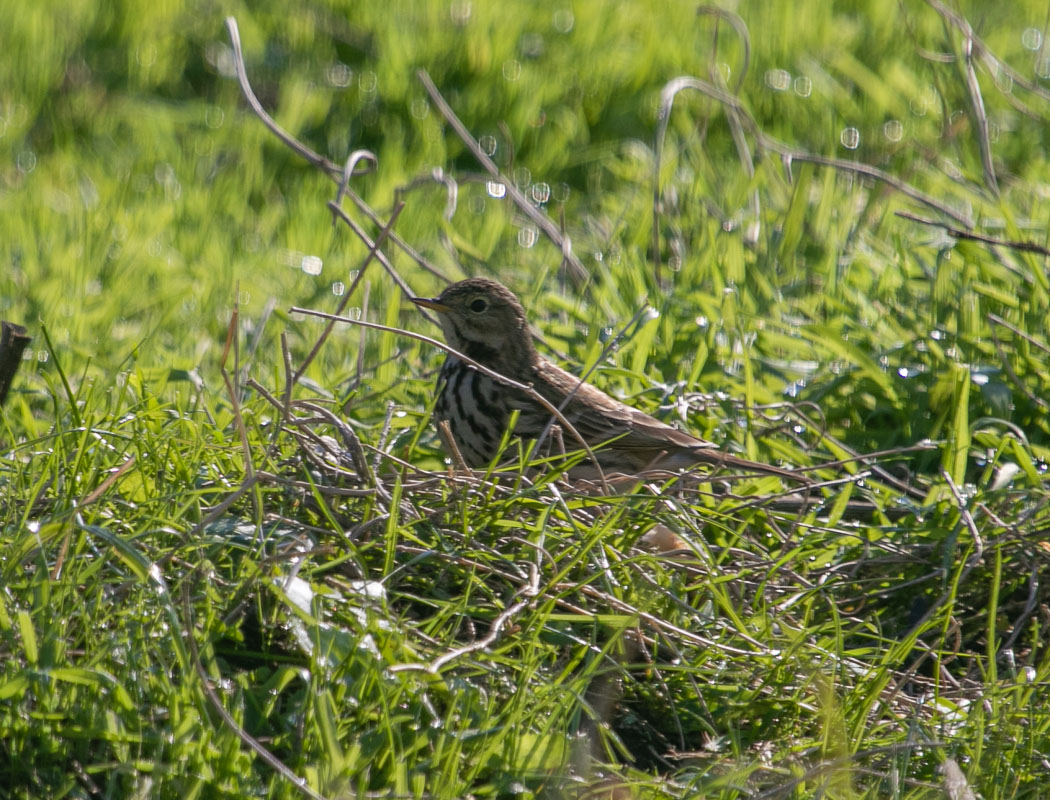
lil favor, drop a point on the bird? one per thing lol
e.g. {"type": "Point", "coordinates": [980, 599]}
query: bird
{"type": "Point", "coordinates": [483, 320]}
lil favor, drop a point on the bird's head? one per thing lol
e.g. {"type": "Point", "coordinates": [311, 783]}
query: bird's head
{"type": "Point", "coordinates": [484, 320]}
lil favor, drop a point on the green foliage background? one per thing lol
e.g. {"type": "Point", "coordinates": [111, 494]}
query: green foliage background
{"type": "Point", "coordinates": [140, 202]}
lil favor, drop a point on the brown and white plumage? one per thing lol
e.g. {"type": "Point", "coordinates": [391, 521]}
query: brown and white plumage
{"type": "Point", "coordinates": [484, 320]}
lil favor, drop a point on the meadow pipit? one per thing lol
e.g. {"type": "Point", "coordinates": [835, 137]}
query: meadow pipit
{"type": "Point", "coordinates": [482, 319]}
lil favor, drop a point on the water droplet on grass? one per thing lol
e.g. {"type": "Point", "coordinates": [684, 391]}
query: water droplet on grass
{"type": "Point", "coordinates": [26, 161]}
{"type": "Point", "coordinates": [339, 75]}
{"type": "Point", "coordinates": [563, 20]}
{"type": "Point", "coordinates": [460, 12]}
{"type": "Point", "coordinates": [779, 80]}
{"type": "Point", "coordinates": [511, 69]}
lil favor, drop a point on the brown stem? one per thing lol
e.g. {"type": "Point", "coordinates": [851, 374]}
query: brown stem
{"type": "Point", "coordinates": [13, 341]}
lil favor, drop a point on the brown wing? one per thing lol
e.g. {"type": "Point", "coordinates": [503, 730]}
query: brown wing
{"type": "Point", "coordinates": [599, 417]}
{"type": "Point", "coordinates": [641, 440]}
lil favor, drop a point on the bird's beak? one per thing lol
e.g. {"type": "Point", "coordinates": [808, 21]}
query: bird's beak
{"type": "Point", "coordinates": [431, 303]}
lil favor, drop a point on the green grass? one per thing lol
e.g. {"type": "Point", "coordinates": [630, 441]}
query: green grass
{"type": "Point", "coordinates": [170, 548]}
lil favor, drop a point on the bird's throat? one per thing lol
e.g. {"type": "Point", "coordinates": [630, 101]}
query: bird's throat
{"type": "Point", "coordinates": [483, 353]}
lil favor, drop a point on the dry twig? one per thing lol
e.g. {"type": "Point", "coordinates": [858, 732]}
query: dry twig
{"type": "Point", "coordinates": [542, 221]}
{"type": "Point", "coordinates": [958, 233]}
{"type": "Point", "coordinates": [787, 153]}
{"type": "Point", "coordinates": [334, 171]}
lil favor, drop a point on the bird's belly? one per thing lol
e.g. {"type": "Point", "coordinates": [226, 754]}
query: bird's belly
{"type": "Point", "coordinates": [476, 411]}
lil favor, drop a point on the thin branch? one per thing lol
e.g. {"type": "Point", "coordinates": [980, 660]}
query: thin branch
{"type": "Point", "coordinates": [380, 257]}
{"type": "Point", "coordinates": [876, 468]}
{"type": "Point", "coordinates": [1026, 247]}
{"type": "Point", "coordinates": [740, 27]}
{"type": "Point", "coordinates": [373, 249]}
{"type": "Point", "coordinates": [435, 175]}
{"type": "Point", "coordinates": [789, 154]}
{"type": "Point", "coordinates": [348, 172]}
{"type": "Point", "coordinates": [528, 592]}
{"type": "Point", "coordinates": [542, 221]}
{"type": "Point", "coordinates": [1018, 332]}
{"type": "Point", "coordinates": [735, 125]}
{"type": "Point", "coordinates": [352, 444]}
{"type": "Point", "coordinates": [449, 441]}
{"type": "Point", "coordinates": [980, 117]}
{"type": "Point", "coordinates": [967, 517]}
{"type": "Point", "coordinates": [334, 170]}
{"type": "Point", "coordinates": [103, 487]}
{"type": "Point", "coordinates": [984, 52]}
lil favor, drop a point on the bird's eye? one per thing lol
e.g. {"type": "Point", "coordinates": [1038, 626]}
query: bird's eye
{"type": "Point", "coordinates": [478, 306]}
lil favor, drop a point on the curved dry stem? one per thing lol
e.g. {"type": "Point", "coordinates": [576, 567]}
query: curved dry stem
{"type": "Point", "coordinates": [738, 138]}
{"type": "Point", "coordinates": [992, 60]}
{"type": "Point", "coordinates": [536, 215]}
{"type": "Point", "coordinates": [736, 128]}
{"type": "Point", "coordinates": [787, 153]}
{"type": "Point", "coordinates": [741, 30]}
{"type": "Point", "coordinates": [372, 253]}
{"type": "Point", "coordinates": [348, 172]}
{"type": "Point", "coordinates": [334, 170]}
{"type": "Point", "coordinates": [329, 168]}
{"type": "Point", "coordinates": [980, 116]}
{"type": "Point", "coordinates": [1012, 244]}
{"type": "Point", "coordinates": [436, 175]}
